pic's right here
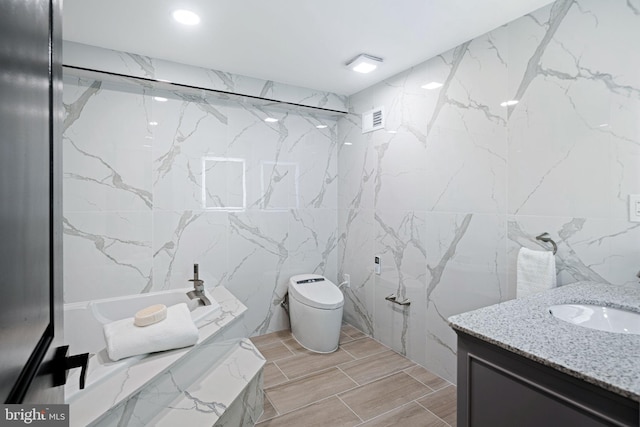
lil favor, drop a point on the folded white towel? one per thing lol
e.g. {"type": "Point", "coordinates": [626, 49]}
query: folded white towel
{"type": "Point", "coordinates": [536, 272]}
{"type": "Point", "coordinates": [125, 339]}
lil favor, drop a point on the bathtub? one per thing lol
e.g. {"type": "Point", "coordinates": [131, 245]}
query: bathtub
{"type": "Point", "coordinates": [83, 330]}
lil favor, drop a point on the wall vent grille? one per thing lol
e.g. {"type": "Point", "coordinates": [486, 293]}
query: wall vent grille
{"type": "Point", "coordinates": [373, 120]}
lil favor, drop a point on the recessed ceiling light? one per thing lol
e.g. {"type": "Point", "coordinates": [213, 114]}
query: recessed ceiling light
{"type": "Point", "coordinates": [321, 126]}
{"type": "Point", "coordinates": [364, 63]}
{"type": "Point", "coordinates": [348, 143]}
{"type": "Point", "coordinates": [160, 99]}
{"type": "Point", "coordinates": [186, 17]}
{"type": "Point", "coordinates": [392, 131]}
{"type": "Point", "coordinates": [509, 103]}
{"type": "Point", "coordinates": [153, 123]}
{"type": "Point", "coordinates": [431, 86]}
{"type": "Point", "coordinates": [270, 120]}
{"type": "Point", "coordinates": [604, 125]}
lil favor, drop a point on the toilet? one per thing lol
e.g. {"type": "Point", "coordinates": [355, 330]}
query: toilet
{"type": "Point", "coordinates": [315, 310]}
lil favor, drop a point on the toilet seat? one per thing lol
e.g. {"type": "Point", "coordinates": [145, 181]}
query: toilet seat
{"type": "Point", "coordinates": [316, 291]}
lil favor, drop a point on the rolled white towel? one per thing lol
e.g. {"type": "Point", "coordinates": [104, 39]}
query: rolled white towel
{"type": "Point", "coordinates": [125, 339]}
{"type": "Point", "coordinates": [536, 272]}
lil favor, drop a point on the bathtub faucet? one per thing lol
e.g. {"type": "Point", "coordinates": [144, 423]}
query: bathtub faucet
{"type": "Point", "coordinates": [198, 288]}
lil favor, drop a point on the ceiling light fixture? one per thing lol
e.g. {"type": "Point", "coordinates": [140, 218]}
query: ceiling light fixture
{"type": "Point", "coordinates": [270, 120]}
{"type": "Point", "coordinates": [431, 86]}
{"type": "Point", "coordinates": [321, 126]}
{"type": "Point", "coordinates": [348, 143]}
{"type": "Point", "coordinates": [153, 123]}
{"type": "Point", "coordinates": [186, 17]}
{"type": "Point", "coordinates": [160, 99]}
{"type": "Point", "coordinates": [364, 63]}
{"type": "Point", "coordinates": [509, 103]}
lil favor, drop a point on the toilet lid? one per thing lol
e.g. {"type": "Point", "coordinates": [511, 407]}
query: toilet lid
{"type": "Point", "coordinates": [315, 291]}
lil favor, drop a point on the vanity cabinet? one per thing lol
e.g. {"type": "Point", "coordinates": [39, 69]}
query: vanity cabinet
{"type": "Point", "coordinates": [498, 388]}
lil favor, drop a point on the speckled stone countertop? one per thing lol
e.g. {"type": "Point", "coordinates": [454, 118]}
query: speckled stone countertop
{"type": "Point", "coordinates": [525, 327]}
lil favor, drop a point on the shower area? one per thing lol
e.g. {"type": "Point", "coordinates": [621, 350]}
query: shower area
{"type": "Point", "coordinates": [159, 176]}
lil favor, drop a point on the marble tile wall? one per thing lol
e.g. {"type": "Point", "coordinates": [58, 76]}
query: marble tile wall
{"type": "Point", "coordinates": [456, 184]}
{"type": "Point", "coordinates": [152, 187]}
{"type": "Point", "coordinates": [130, 64]}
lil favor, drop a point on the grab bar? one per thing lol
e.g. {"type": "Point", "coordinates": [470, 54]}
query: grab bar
{"type": "Point", "coordinates": [393, 299]}
{"type": "Point", "coordinates": [544, 237]}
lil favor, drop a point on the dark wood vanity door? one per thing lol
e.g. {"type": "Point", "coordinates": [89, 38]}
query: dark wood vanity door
{"type": "Point", "coordinates": [499, 388]}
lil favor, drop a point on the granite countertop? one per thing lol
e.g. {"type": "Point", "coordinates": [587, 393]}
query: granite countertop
{"type": "Point", "coordinates": [525, 327]}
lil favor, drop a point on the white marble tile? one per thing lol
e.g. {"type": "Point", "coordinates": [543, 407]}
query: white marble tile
{"type": "Point", "coordinates": [106, 166]}
{"type": "Point", "coordinates": [259, 268]}
{"type": "Point", "coordinates": [356, 252]}
{"type": "Point", "coordinates": [400, 246]}
{"type": "Point", "coordinates": [466, 269]}
{"type": "Point", "coordinates": [184, 238]}
{"type": "Point", "coordinates": [188, 136]}
{"type": "Point", "coordinates": [313, 242]}
{"type": "Point", "coordinates": [401, 164]}
{"type": "Point", "coordinates": [474, 176]}
{"type": "Point", "coordinates": [558, 164]}
{"type": "Point", "coordinates": [229, 393]}
{"type": "Point", "coordinates": [356, 165]}
{"type": "Point", "coordinates": [106, 254]}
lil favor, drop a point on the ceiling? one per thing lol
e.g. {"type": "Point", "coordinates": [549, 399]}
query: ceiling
{"type": "Point", "coordinates": [298, 42]}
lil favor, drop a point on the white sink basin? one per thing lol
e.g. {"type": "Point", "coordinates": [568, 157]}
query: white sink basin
{"type": "Point", "coordinates": [598, 317]}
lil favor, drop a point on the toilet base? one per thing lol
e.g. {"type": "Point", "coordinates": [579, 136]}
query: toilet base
{"type": "Point", "coordinates": [315, 329]}
{"type": "Point", "coordinates": [310, 349]}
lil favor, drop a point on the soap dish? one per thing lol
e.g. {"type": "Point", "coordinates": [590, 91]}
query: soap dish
{"type": "Point", "coordinates": [150, 315]}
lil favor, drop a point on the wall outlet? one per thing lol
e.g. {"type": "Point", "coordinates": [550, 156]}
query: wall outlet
{"type": "Point", "coordinates": [346, 279]}
{"type": "Point", "coordinates": [634, 207]}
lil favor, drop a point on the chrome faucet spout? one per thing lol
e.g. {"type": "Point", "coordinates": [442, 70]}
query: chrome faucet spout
{"type": "Point", "coordinates": [198, 288]}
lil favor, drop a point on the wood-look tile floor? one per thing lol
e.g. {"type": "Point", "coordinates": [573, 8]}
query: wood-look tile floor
{"type": "Point", "coordinates": [363, 383]}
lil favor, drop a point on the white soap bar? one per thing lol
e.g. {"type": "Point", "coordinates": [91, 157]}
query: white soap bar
{"type": "Point", "coordinates": [150, 315]}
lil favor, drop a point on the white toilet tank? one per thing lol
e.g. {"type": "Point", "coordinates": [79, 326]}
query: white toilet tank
{"type": "Point", "coordinates": [315, 310]}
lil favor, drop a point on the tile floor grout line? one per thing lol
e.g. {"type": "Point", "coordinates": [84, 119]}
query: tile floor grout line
{"type": "Point", "coordinates": [306, 374]}
{"type": "Point", "coordinates": [309, 374]}
{"type": "Point", "coordinates": [348, 376]}
{"type": "Point", "coordinates": [274, 408]}
{"type": "Point", "coordinates": [379, 378]}
{"type": "Point", "coordinates": [298, 342]}
{"type": "Point", "coordinates": [283, 358]}
{"type": "Point", "coordinates": [347, 351]}
{"type": "Point", "coordinates": [421, 382]}
{"type": "Point", "coordinates": [391, 410]}
{"type": "Point", "coordinates": [373, 354]}
{"type": "Point", "coordinates": [429, 410]}
{"type": "Point", "coordinates": [285, 375]}
{"type": "Point", "coordinates": [309, 404]}
{"type": "Point", "coordinates": [355, 385]}
{"type": "Point", "coordinates": [349, 408]}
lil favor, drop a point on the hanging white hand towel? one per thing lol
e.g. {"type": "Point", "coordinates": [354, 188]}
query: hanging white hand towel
{"type": "Point", "coordinates": [125, 339]}
{"type": "Point", "coordinates": [536, 272]}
